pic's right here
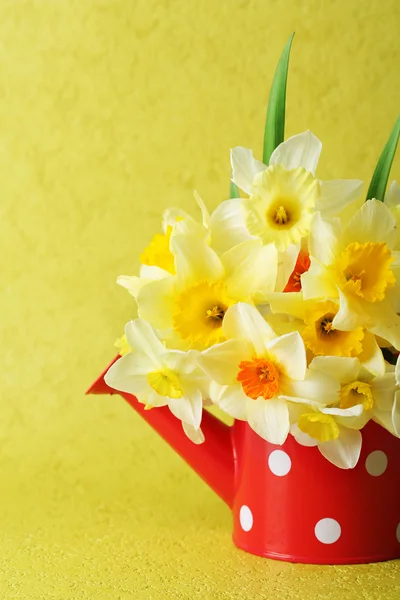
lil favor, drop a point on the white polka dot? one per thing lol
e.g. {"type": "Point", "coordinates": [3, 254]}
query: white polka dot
{"type": "Point", "coordinates": [279, 462]}
{"type": "Point", "coordinates": [398, 533]}
{"type": "Point", "coordinates": [376, 463]}
{"type": "Point", "coordinates": [246, 518]}
{"type": "Point", "coordinates": [327, 531]}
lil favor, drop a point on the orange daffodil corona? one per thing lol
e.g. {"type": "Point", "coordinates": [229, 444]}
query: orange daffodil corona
{"type": "Point", "coordinates": [275, 307]}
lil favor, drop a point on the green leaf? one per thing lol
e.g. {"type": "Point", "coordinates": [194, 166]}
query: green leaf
{"type": "Point", "coordinates": [275, 122]}
{"type": "Point", "coordinates": [234, 191]}
{"type": "Point", "coordinates": [379, 180]}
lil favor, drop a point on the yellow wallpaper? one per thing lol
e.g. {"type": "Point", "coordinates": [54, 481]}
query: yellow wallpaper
{"type": "Point", "coordinates": [110, 111]}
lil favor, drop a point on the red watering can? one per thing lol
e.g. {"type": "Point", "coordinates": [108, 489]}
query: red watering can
{"type": "Point", "coordinates": [289, 502]}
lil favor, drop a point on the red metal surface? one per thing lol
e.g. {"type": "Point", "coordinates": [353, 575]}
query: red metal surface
{"type": "Point", "coordinates": [285, 509]}
{"type": "Point", "coordinates": [282, 512]}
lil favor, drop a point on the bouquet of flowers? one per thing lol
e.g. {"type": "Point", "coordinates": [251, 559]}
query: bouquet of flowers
{"type": "Point", "coordinates": [281, 306]}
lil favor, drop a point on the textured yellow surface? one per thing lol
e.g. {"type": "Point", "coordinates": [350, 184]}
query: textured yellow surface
{"type": "Point", "coordinates": [109, 112]}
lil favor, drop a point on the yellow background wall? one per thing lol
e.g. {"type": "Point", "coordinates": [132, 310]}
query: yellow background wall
{"type": "Point", "coordinates": [110, 111]}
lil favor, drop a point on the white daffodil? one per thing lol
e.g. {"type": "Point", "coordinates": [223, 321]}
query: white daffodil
{"type": "Point", "coordinates": [283, 196]}
{"type": "Point", "coordinates": [320, 336]}
{"type": "Point", "coordinates": [159, 377]}
{"type": "Point", "coordinates": [357, 265]}
{"type": "Point", "coordinates": [189, 307]}
{"type": "Point", "coordinates": [259, 374]}
{"type": "Point", "coordinates": [336, 429]}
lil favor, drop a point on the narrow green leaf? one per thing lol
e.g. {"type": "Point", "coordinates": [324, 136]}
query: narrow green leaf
{"type": "Point", "coordinates": [379, 180]}
{"type": "Point", "coordinates": [275, 122]}
{"type": "Point", "coordinates": [234, 191]}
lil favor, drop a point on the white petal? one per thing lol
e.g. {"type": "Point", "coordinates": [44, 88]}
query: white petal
{"type": "Point", "coordinates": [397, 371]}
{"type": "Point", "coordinates": [142, 338]}
{"type": "Point", "coordinates": [269, 418]}
{"type": "Point", "coordinates": [195, 260]}
{"type": "Point", "coordinates": [316, 386]}
{"type": "Point", "coordinates": [250, 267]}
{"type": "Point", "coordinates": [129, 374]}
{"type": "Point", "coordinates": [233, 401]}
{"type": "Point", "coordinates": [195, 435]}
{"type": "Point", "coordinates": [302, 150]}
{"type": "Point", "coordinates": [173, 215]}
{"type": "Point", "coordinates": [396, 414]}
{"type": "Point", "coordinates": [371, 356]}
{"type": "Point", "coordinates": [151, 272]}
{"type": "Point", "coordinates": [188, 408]}
{"type": "Point", "coordinates": [392, 197]}
{"type": "Point", "coordinates": [132, 284]}
{"type": "Point", "coordinates": [352, 313]}
{"type": "Point", "coordinates": [302, 438]}
{"type": "Point", "coordinates": [291, 303]}
{"type": "Point", "coordinates": [386, 323]}
{"type": "Point", "coordinates": [228, 225]}
{"type": "Point", "coordinates": [336, 194]}
{"type": "Point", "coordinates": [244, 168]}
{"type": "Point", "coordinates": [156, 302]}
{"type": "Point", "coordinates": [220, 362]}
{"type": "Point", "coordinates": [343, 452]}
{"type": "Point", "coordinates": [204, 211]}
{"type": "Point", "coordinates": [244, 322]}
{"type": "Point", "coordinates": [353, 411]}
{"type": "Point", "coordinates": [324, 241]}
{"type": "Point", "coordinates": [317, 282]}
{"type": "Point", "coordinates": [373, 222]}
{"type": "Point", "coordinates": [154, 400]}
{"type": "Point", "coordinates": [342, 368]}
{"type": "Point", "coordinates": [179, 361]}
{"type": "Point", "coordinates": [383, 391]}
{"type": "Point", "coordinates": [290, 353]}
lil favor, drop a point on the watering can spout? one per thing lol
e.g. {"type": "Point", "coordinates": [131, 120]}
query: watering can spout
{"type": "Point", "coordinates": [213, 460]}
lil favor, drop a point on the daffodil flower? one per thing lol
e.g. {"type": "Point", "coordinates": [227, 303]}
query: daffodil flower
{"type": "Point", "coordinates": [160, 377]}
{"type": "Point", "coordinates": [357, 265]}
{"type": "Point", "coordinates": [189, 307]}
{"type": "Point", "coordinates": [336, 429]}
{"type": "Point", "coordinates": [260, 374]}
{"type": "Point", "coordinates": [283, 196]}
{"type": "Point", "coordinates": [315, 323]}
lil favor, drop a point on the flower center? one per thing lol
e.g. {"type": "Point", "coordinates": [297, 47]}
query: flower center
{"type": "Point", "coordinates": [281, 205]}
{"type": "Point", "coordinates": [283, 213]}
{"type": "Point", "coordinates": [281, 216]}
{"type": "Point", "coordinates": [158, 254]}
{"type": "Point", "coordinates": [365, 270]}
{"type": "Point", "coordinates": [324, 325]}
{"type": "Point", "coordinates": [199, 313]}
{"type": "Point", "coordinates": [319, 426]}
{"type": "Point", "coordinates": [165, 383]}
{"type": "Point", "coordinates": [259, 377]}
{"type": "Point", "coordinates": [356, 392]}
{"type": "Point", "coordinates": [323, 339]}
{"type": "Point", "coordinates": [216, 314]}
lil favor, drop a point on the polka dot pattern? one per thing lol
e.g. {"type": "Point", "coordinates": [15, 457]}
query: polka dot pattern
{"type": "Point", "coordinates": [292, 503]}
{"type": "Point", "coordinates": [376, 463]}
{"type": "Point", "coordinates": [246, 518]}
{"type": "Point", "coordinates": [327, 531]}
{"type": "Point", "coordinates": [279, 463]}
